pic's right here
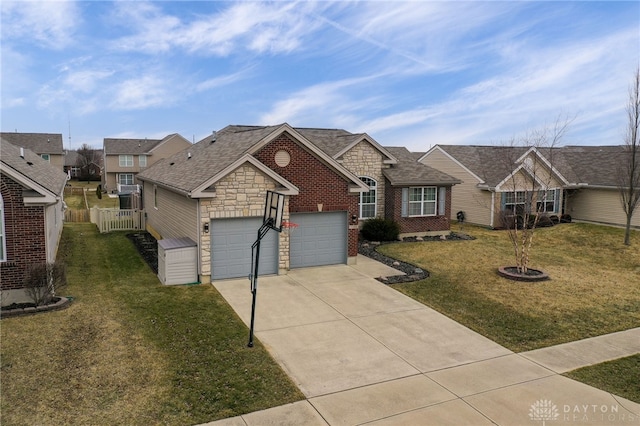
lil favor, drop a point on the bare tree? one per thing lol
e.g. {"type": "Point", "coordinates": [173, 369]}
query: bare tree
{"type": "Point", "coordinates": [87, 161]}
{"type": "Point", "coordinates": [629, 171]}
{"type": "Point", "coordinates": [42, 280]}
{"type": "Point", "coordinates": [529, 193]}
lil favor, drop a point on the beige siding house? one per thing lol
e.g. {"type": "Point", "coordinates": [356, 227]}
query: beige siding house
{"type": "Point", "coordinates": [125, 158]}
{"type": "Point", "coordinates": [579, 182]}
{"type": "Point", "coordinates": [47, 145]}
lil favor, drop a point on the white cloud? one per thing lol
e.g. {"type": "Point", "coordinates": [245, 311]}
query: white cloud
{"type": "Point", "coordinates": [254, 26]}
{"type": "Point", "coordinates": [139, 93]}
{"type": "Point", "coordinates": [52, 24]}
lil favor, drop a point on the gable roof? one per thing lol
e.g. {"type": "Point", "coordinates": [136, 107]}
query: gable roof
{"type": "Point", "coordinates": [191, 170]}
{"type": "Point", "coordinates": [575, 165]}
{"type": "Point", "coordinates": [32, 171]}
{"type": "Point", "coordinates": [409, 171]}
{"type": "Point", "coordinates": [114, 146]}
{"type": "Point", "coordinates": [40, 143]}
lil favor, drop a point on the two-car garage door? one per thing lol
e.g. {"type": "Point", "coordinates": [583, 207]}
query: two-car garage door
{"type": "Point", "coordinates": [319, 239]}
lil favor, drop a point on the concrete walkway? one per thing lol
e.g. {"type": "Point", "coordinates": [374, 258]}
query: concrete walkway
{"type": "Point", "coordinates": [363, 353]}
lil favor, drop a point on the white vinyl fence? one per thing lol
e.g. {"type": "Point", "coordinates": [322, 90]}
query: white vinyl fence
{"type": "Point", "coordinates": [109, 220]}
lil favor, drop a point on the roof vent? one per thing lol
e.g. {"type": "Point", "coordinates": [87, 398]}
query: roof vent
{"type": "Point", "coordinates": [22, 153]}
{"type": "Point", "coordinates": [214, 135]}
{"type": "Point", "coordinates": [188, 155]}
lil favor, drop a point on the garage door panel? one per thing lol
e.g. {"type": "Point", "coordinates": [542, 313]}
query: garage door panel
{"type": "Point", "coordinates": [231, 241]}
{"type": "Point", "coordinates": [320, 239]}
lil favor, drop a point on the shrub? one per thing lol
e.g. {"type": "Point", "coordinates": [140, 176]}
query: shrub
{"type": "Point", "coordinates": [99, 192]}
{"type": "Point", "coordinates": [42, 280]}
{"type": "Point", "coordinates": [380, 229]}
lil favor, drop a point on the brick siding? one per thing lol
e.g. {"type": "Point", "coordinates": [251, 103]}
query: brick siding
{"type": "Point", "coordinates": [422, 224]}
{"type": "Point", "coordinates": [24, 233]}
{"type": "Point", "coordinates": [318, 183]}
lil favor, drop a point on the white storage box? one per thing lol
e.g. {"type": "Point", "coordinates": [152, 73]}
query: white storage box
{"type": "Point", "coordinates": [177, 261]}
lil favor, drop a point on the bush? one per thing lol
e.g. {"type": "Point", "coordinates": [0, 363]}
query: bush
{"type": "Point", "coordinates": [42, 280]}
{"type": "Point", "coordinates": [380, 229]}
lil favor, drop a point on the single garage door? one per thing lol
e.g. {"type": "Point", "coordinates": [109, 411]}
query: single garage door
{"type": "Point", "coordinates": [231, 241]}
{"type": "Point", "coordinates": [320, 239]}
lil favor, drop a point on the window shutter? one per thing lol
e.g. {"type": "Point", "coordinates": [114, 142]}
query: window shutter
{"type": "Point", "coordinates": [405, 202]}
{"type": "Point", "coordinates": [442, 200]}
{"type": "Point", "coordinates": [503, 200]}
{"type": "Point", "coordinates": [556, 203]}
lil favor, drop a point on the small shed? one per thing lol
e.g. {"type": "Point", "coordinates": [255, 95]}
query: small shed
{"type": "Point", "coordinates": [177, 261]}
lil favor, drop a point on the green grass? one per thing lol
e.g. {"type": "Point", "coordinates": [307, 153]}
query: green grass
{"type": "Point", "coordinates": [619, 377]}
{"type": "Point", "coordinates": [594, 287]}
{"type": "Point", "coordinates": [130, 351]}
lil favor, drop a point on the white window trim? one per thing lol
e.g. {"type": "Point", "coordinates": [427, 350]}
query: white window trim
{"type": "Point", "coordinates": [374, 188]}
{"type": "Point", "coordinates": [46, 157]}
{"type": "Point", "coordinates": [155, 197]}
{"type": "Point", "coordinates": [422, 201]}
{"type": "Point", "coordinates": [126, 174]}
{"type": "Point", "coordinates": [123, 160]}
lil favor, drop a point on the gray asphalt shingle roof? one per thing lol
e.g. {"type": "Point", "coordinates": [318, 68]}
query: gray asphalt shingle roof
{"type": "Point", "coordinates": [32, 167]}
{"type": "Point", "coordinates": [594, 165]}
{"type": "Point", "coordinates": [231, 143]}
{"type": "Point", "coordinates": [40, 143]}
{"type": "Point", "coordinates": [113, 146]}
{"type": "Point", "coordinates": [409, 172]}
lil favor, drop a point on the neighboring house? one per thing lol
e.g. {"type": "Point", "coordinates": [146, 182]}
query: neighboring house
{"type": "Point", "coordinates": [125, 158]}
{"type": "Point", "coordinates": [47, 145]}
{"type": "Point", "coordinates": [214, 194]}
{"type": "Point", "coordinates": [31, 216]}
{"type": "Point", "coordinates": [76, 169]}
{"type": "Point", "coordinates": [580, 181]}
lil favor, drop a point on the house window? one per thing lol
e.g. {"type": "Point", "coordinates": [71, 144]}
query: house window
{"type": "Point", "coordinates": [515, 202]}
{"type": "Point", "coordinates": [3, 248]}
{"type": "Point", "coordinates": [547, 201]}
{"type": "Point", "coordinates": [368, 199]}
{"type": "Point", "coordinates": [126, 160]}
{"type": "Point", "coordinates": [155, 196]}
{"type": "Point", "coordinates": [142, 160]}
{"type": "Point", "coordinates": [520, 202]}
{"type": "Point", "coordinates": [125, 178]}
{"type": "Point", "coordinates": [45, 157]}
{"type": "Point", "coordinates": [423, 201]}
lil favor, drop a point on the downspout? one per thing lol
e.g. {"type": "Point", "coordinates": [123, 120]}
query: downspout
{"type": "Point", "coordinates": [199, 256]}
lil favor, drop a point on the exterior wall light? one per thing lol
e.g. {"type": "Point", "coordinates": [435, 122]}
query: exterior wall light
{"type": "Point", "coordinates": [205, 228]}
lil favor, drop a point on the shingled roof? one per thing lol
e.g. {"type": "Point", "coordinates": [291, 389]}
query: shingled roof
{"type": "Point", "coordinates": [592, 165]}
{"type": "Point", "coordinates": [409, 172]}
{"type": "Point", "coordinates": [40, 143]}
{"type": "Point", "coordinates": [192, 168]}
{"type": "Point", "coordinates": [113, 146]}
{"type": "Point", "coordinates": [32, 167]}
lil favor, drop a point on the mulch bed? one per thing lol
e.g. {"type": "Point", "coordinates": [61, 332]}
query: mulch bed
{"type": "Point", "coordinates": [147, 246]}
{"type": "Point", "coordinates": [18, 309]}
{"type": "Point", "coordinates": [412, 272]}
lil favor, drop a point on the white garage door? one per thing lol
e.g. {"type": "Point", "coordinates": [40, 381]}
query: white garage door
{"type": "Point", "coordinates": [320, 239]}
{"type": "Point", "coordinates": [231, 241]}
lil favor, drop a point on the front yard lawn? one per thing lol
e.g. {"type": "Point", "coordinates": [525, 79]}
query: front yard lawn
{"type": "Point", "coordinates": [129, 351]}
{"type": "Point", "coordinates": [619, 377]}
{"type": "Point", "coordinates": [594, 287]}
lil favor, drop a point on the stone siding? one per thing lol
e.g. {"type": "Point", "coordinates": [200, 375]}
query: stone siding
{"type": "Point", "coordinates": [240, 194]}
{"type": "Point", "coordinates": [365, 160]}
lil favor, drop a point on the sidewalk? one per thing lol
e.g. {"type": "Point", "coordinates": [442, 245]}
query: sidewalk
{"type": "Point", "coordinates": [363, 353]}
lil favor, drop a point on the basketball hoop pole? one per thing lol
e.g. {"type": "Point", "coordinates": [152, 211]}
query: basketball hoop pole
{"type": "Point", "coordinates": [253, 277]}
{"type": "Point", "coordinates": [273, 210]}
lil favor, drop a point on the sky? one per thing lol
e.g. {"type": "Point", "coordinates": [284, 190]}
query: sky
{"type": "Point", "coordinates": [411, 74]}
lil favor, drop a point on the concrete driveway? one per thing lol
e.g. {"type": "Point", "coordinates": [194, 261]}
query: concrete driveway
{"type": "Point", "coordinates": [362, 352]}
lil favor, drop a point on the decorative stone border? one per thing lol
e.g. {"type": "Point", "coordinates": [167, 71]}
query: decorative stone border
{"type": "Point", "coordinates": [533, 275]}
{"type": "Point", "coordinates": [61, 303]}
